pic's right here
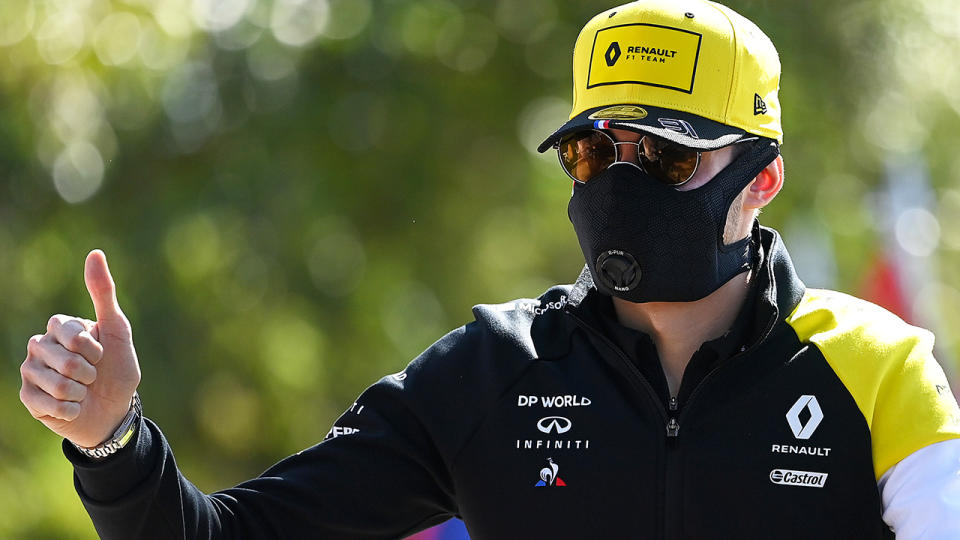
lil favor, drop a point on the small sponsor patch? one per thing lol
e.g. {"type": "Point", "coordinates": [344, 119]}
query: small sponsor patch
{"type": "Point", "coordinates": [566, 400]}
{"type": "Point", "coordinates": [680, 126]}
{"type": "Point", "coordinates": [787, 477]}
{"type": "Point", "coordinates": [549, 477]}
{"type": "Point", "coordinates": [338, 431]}
{"type": "Point", "coordinates": [759, 107]}
{"type": "Point", "coordinates": [646, 54]}
{"type": "Point", "coordinates": [620, 112]}
{"type": "Point", "coordinates": [554, 424]}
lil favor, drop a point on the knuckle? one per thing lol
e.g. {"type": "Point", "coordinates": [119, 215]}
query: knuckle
{"type": "Point", "coordinates": [28, 370]}
{"type": "Point", "coordinates": [54, 321]}
{"type": "Point", "coordinates": [75, 342]}
{"type": "Point", "coordinates": [26, 397]}
{"type": "Point", "coordinates": [61, 388]}
{"type": "Point", "coordinates": [65, 410]}
{"type": "Point", "coordinates": [73, 325]}
{"type": "Point", "coordinates": [71, 365]}
{"type": "Point", "coordinates": [123, 324]}
{"type": "Point", "coordinates": [33, 344]}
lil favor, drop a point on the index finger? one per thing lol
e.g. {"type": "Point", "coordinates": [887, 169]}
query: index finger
{"type": "Point", "coordinates": [74, 335]}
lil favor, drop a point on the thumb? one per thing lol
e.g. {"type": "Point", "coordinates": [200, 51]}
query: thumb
{"type": "Point", "coordinates": [100, 285]}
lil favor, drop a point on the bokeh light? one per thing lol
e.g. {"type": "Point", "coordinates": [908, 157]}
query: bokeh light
{"type": "Point", "coordinates": [78, 171]}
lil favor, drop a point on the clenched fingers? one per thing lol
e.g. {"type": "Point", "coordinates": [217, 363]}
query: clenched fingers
{"type": "Point", "coordinates": [40, 404]}
{"type": "Point", "coordinates": [46, 352]}
{"type": "Point", "coordinates": [52, 383]}
{"type": "Point", "coordinates": [74, 335]}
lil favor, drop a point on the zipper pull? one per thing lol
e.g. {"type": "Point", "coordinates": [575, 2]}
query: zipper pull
{"type": "Point", "coordinates": [673, 403]}
{"type": "Point", "coordinates": [673, 428]}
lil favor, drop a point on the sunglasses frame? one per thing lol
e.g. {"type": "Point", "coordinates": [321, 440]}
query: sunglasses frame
{"type": "Point", "coordinates": [616, 146]}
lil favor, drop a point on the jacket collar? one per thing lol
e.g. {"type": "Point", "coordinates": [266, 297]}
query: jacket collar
{"type": "Point", "coordinates": [780, 291]}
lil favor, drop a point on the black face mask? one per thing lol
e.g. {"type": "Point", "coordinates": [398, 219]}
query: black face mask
{"type": "Point", "coordinates": [645, 241]}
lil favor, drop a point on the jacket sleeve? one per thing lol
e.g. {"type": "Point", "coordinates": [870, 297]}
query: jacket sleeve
{"type": "Point", "coordinates": [377, 474]}
{"type": "Point", "coordinates": [888, 368]}
{"type": "Point", "coordinates": [921, 494]}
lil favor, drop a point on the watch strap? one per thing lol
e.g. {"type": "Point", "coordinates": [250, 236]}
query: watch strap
{"type": "Point", "coordinates": [121, 437]}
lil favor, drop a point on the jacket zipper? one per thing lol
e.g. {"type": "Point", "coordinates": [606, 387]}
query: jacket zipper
{"type": "Point", "coordinates": [671, 424]}
{"type": "Point", "coordinates": [727, 363]}
{"type": "Point", "coordinates": [673, 427]}
{"type": "Point", "coordinates": [673, 520]}
{"type": "Point", "coordinates": [671, 416]}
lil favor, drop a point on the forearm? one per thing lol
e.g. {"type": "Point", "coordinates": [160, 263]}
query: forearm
{"type": "Point", "coordinates": [139, 493]}
{"type": "Point", "coordinates": [375, 483]}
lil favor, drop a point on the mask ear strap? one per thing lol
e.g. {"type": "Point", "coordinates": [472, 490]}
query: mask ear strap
{"type": "Point", "coordinates": [748, 165]}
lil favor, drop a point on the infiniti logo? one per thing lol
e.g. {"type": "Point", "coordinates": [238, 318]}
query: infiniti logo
{"type": "Point", "coordinates": [555, 424]}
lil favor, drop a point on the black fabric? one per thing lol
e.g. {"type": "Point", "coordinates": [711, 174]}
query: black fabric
{"type": "Point", "coordinates": [675, 237]}
{"type": "Point", "coordinates": [459, 433]}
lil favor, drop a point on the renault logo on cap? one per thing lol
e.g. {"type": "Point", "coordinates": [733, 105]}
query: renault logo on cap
{"type": "Point", "coordinates": [612, 54]}
{"type": "Point", "coordinates": [805, 431]}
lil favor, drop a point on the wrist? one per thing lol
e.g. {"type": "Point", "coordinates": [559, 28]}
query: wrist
{"type": "Point", "coordinates": [121, 437]}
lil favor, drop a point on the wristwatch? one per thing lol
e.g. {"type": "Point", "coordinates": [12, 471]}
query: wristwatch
{"type": "Point", "coordinates": [121, 436]}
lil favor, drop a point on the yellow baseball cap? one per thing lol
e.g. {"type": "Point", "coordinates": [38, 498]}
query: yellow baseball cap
{"type": "Point", "coordinates": [691, 71]}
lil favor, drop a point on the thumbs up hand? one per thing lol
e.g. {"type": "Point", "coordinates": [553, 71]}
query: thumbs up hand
{"type": "Point", "coordinates": [79, 377]}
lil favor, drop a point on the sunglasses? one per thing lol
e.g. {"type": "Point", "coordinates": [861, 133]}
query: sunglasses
{"type": "Point", "coordinates": [585, 154]}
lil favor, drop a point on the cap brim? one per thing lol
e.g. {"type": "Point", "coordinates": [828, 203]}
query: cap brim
{"type": "Point", "coordinates": [682, 128]}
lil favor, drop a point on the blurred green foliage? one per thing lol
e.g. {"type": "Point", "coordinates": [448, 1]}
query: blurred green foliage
{"type": "Point", "coordinates": [297, 196]}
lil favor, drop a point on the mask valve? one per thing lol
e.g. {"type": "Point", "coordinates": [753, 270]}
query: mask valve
{"type": "Point", "coordinates": [618, 270]}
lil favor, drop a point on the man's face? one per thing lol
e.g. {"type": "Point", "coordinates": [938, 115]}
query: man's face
{"type": "Point", "coordinates": [659, 236]}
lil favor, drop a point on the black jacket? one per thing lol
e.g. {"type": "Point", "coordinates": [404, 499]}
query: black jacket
{"type": "Point", "coordinates": [531, 423]}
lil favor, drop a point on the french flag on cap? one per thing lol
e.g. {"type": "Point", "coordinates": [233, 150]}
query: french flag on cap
{"type": "Point", "coordinates": [601, 124]}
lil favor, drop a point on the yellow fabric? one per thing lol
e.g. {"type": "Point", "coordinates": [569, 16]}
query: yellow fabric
{"type": "Point", "coordinates": [651, 53]}
{"type": "Point", "coordinates": [888, 368]}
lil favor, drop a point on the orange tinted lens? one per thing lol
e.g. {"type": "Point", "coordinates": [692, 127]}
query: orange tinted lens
{"type": "Point", "coordinates": [670, 163]}
{"type": "Point", "coordinates": [585, 154]}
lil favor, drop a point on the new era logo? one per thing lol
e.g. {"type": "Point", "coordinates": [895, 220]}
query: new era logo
{"type": "Point", "coordinates": [759, 107]}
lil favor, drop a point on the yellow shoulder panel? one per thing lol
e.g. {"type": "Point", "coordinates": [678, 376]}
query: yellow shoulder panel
{"type": "Point", "coordinates": [888, 368]}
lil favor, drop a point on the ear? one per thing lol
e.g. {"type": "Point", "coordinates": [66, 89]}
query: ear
{"type": "Point", "coordinates": [765, 186]}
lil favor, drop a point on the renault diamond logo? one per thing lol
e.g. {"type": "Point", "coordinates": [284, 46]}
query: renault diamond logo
{"type": "Point", "coordinates": [555, 424]}
{"type": "Point", "coordinates": [612, 54]}
{"type": "Point", "coordinates": [804, 431]}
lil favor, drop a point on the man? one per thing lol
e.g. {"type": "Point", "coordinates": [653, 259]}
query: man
{"type": "Point", "coordinates": [686, 386]}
